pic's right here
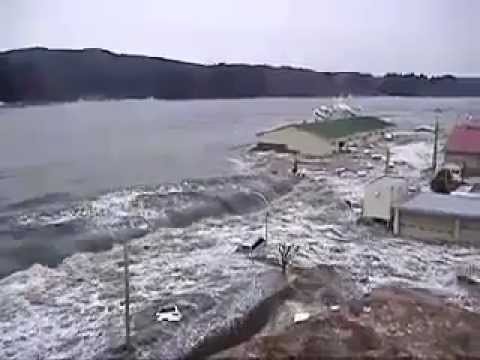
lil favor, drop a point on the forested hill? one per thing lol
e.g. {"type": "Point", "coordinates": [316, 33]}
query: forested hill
{"type": "Point", "coordinates": [39, 74]}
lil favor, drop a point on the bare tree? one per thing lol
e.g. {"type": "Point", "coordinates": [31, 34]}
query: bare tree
{"type": "Point", "coordinates": [287, 252]}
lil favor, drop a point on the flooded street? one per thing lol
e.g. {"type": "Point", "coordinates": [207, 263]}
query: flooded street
{"type": "Point", "coordinates": [198, 268]}
{"type": "Point", "coordinates": [183, 238]}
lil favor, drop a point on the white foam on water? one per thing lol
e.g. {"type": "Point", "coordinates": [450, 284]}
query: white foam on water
{"type": "Point", "coordinates": [198, 259]}
{"type": "Point", "coordinates": [51, 313]}
{"type": "Point", "coordinates": [107, 210]}
{"type": "Point", "coordinates": [418, 155]}
{"type": "Point", "coordinates": [241, 166]}
{"type": "Point", "coordinates": [113, 208]}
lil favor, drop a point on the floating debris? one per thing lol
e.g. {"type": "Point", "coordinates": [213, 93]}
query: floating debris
{"type": "Point", "coordinates": [332, 229]}
{"type": "Point", "coordinates": [260, 243]}
{"type": "Point", "coordinates": [300, 317]}
{"type": "Point", "coordinates": [340, 170]}
{"type": "Point", "coordinates": [469, 274]}
{"type": "Point", "coordinates": [424, 128]}
{"type": "Point", "coordinates": [388, 136]}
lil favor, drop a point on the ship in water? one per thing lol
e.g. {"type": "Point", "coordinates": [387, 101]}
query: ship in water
{"type": "Point", "coordinates": [340, 109]}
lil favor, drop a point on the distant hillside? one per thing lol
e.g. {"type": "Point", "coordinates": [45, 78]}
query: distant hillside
{"type": "Point", "coordinates": [39, 74]}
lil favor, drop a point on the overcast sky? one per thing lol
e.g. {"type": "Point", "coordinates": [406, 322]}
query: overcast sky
{"type": "Point", "coordinates": [429, 36]}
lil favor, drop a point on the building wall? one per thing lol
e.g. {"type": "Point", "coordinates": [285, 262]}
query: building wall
{"type": "Point", "coordinates": [425, 227]}
{"type": "Point", "coordinates": [470, 231]}
{"type": "Point", "coordinates": [298, 140]}
{"type": "Point", "coordinates": [443, 228]}
{"type": "Point", "coordinates": [359, 139]}
{"type": "Point", "coordinates": [472, 162]}
{"type": "Point", "coordinates": [380, 196]}
{"type": "Point", "coordinates": [377, 202]}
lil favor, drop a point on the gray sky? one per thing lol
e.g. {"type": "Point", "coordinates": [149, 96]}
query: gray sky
{"type": "Point", "coordinates": [429, 36]}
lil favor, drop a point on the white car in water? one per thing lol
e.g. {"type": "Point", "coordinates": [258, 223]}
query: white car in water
{"type": "Point", "coordinates": [169, 313]}
{"type": "Point", "coordinates": [388, 136]}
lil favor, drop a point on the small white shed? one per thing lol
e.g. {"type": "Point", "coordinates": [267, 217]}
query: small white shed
{"type": "Point", "coordinates": [381, 195]}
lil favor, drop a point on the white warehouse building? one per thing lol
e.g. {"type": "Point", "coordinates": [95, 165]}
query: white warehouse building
{"type": "Point", "coordinates": [382, 195]}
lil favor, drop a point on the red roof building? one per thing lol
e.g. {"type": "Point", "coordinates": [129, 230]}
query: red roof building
{"type": "Point", "coordinates": [465, 139]}
{"type": "Point", "coordinates": [463, 146]}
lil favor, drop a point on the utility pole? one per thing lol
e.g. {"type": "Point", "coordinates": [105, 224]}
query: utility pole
{"type": "Point", "coordinates": [435, 141]}
{"type": "Point", "coordinates": [387, 161]}
{"type": "Point", "coordinates": [435, 147]}
{"type": "Point", "coordinates": [126, 274]}
{"type": "Point", "coordinates": [127, 295]}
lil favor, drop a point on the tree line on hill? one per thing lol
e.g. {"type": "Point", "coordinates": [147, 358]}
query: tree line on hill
{"type": "Point", "coordinates": [43, 75]}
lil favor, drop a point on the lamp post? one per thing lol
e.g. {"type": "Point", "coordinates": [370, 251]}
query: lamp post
{"type": "Point", "coordinates": [267, 204]}
{"type": "Point", "coordinates": [387, 161]}
{"type": "Point", "coordinates": [435, 140]}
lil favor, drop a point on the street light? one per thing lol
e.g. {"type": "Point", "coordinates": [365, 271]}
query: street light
{"type": "Point", "coordinates": [437, 111]}
{"type": "Point", "coordinates": [267, 204]}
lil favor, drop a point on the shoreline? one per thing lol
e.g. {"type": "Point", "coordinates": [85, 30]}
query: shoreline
{"type": "Point", "coordinates": [22, 104]}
